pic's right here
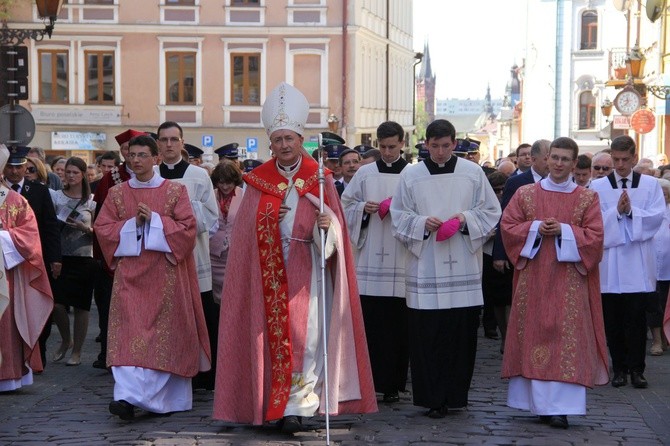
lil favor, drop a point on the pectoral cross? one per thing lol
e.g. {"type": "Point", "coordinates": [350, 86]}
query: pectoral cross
{"type": "Point", "coordinates": [450, 263]}
{"type": "Point", "coordinates": [382, 254]}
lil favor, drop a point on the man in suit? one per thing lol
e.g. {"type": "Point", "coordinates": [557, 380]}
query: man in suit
{"type": "Point", "coordinates": [539, 168]}
{"type": "Point", "coordinates": [39, 199]}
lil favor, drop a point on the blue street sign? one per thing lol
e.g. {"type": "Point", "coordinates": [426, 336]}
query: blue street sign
{"type": "Point", "coordinates": [252, 144]}
{"type": "Point", "coordinates": [208, 140]}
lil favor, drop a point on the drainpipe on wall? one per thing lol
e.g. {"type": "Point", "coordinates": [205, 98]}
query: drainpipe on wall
{"type": "Point", "coordinates": [345, 19]}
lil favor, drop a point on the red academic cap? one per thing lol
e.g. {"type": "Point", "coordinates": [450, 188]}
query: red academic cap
{"type": "Point", "coordinates": [126, 136]}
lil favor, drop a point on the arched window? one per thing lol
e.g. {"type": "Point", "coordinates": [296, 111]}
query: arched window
{"type": "Point", "coordinates": [587, 110]}
{"type": "Point", "coordinates": [589, 39]}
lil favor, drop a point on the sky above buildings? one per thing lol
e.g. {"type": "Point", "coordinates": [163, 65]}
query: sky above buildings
{"type": "Point", "coordinates": [473, 43]}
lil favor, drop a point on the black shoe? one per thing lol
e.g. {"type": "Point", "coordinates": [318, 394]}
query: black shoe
{"type": "Point", "coordinates": [98, 338]}
{"type": "Point", "coordinates": [291, 424]}
{"type": "Point", "coordinates": [619, 379]}
{"type": "Point", "coordinates": [560, 421]}
{"type": "Point", "coordinates": [491, 333]}
{"type": "Point", "coordinates": [122, 409]}
{"type": "Point", "coordinates": [100, 364]}
{"type": "Point", "coordinates": [437, 413]}
{"type": "Point", "coordinates": [638, 380]}
{"type": "Point", "coordinates": [545, 419]}
{"type": "Point", "coordinates": [391, 397]}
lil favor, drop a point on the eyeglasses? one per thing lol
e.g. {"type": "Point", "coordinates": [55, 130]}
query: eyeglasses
{"type": "Point", "coordinates": [31, 170]}
{"type": "Point", "coordinates": [141, 155]}
{"type": "Point", "coordinates": [603, 168]}
{"type": "Point", "coordinates": [172, 139]}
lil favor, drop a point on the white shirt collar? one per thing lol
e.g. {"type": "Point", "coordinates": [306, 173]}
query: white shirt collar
{"type": "Point", "coordinates": [536, 176]}
{"type": "Point", "coordinates": [618, 178]}
{"type": "Point", "coordinates": [566, 187]}
{"type": "Point", "coordinates": [155, 181]}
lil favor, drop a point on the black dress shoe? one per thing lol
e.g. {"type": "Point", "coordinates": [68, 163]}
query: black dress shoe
{"type": "Point", "coordinates": [122, 409]}
{"type": "Point", "coordinates": [291, 424]}
{"type": "Point", "coordinates": [545, 419]}
{"type": "Point", "coordinates": [560, 421]}
{"type": "Point", "coordinates": [100, 364]}
{"type": "Point", "coordinates": [619, 379]}
{"type": "Point", "coordinates": [391, 397]}
{"type": "Point", "coordinates": [491, 333]}
{"type": "Point", "coordinates": [638, 380]}
{"type": "Point", "coordinates": [437, 413]}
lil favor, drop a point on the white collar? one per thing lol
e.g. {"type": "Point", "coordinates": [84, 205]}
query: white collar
{"type": "Point", "coordinates": [155, 181]}
{"type": "Point", "coordinates": [392, 163]}
{"type": "Point", "coordinates": [289, 171]}
{"type": "Point", "coordinates": [566, 187]}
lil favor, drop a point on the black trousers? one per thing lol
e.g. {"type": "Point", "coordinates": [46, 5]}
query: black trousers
{"type": "Point", "coordinates": [102, 294]}
{"type": "Point", "coordinates": [385, 321]}
{"type": "Point", "coordinates": [443, 347]}
{"type": "Point", "coordinates": [626, 330]}
{"type": "Point", "coordinates": [206, 380]}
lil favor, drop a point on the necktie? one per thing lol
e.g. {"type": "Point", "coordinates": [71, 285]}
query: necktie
{"type": "Point", "coordinates": [15, 187]}
{"type": "Point", "coordinates": [623, 183]}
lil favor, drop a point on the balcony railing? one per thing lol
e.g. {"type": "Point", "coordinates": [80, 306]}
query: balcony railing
{"type": "Point", "coordinates": [617, 63]}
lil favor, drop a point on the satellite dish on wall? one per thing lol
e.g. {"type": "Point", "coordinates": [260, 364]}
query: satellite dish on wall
{"type": "Point", "coordinates": [621, 5]}
{"type": "Point", "coordinates": [655, 9]}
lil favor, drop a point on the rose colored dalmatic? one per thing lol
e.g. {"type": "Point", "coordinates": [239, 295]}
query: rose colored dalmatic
{"type": "Point", "coordinates": [156, 319]}
{"type": "Point", "coordinates": [555, 330]}
{"type": "Point", "coordinates": [265, 301]}
{"type": "Point", "coordinates": [30, 295]}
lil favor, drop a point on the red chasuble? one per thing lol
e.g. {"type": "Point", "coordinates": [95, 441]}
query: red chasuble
{"type": "Point", "coordinates": [555, 330]}
{"type": "Point", "coordinates": [265, 301]}
{"type": "Point", "coordinates": [156, 319]}
{"type": "Point", "coordinates": [30, 295]}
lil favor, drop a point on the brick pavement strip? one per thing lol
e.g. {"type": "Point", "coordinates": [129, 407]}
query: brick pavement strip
{"type": "Point", "coordinates": [68, 406]}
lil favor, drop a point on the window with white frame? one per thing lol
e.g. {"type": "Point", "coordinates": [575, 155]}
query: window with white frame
{"type": "Point", "coordinates": [587, 110]}
{"type": "Point", "coordinates": [245, 12]}
{"type": "Point", "coordinates": [180, 78]}
{"type": "Point", "coordinates": [245, 81]}
{"type": "Point", "coordinates": [307, 12]}
{"type": "Point", "coordinates": [180, 11]}
{"type": "Point", "coordinates": [589, 29]}
{"type": "Point", "coordinates": [180, 71]}
{"type": "Point", "coordinates": [54, 82]}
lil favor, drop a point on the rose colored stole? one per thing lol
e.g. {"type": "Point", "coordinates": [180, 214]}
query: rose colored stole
{"type": "Point", "coordinates": [275, 285]}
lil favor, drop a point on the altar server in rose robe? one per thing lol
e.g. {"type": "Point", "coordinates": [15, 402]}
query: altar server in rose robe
{"type": "Point", "coordinates": [380, 261]}
{"type": "Point", "coordinates": [443, 211]}
{"type": "Point", "coordinates": [157, 338]}
{"type": "Point", "coordinates": [555, 347]}
{"type": "Point", "coordinates": [633, 207]}
{"type": "Point", "coordinates": [25, 295]}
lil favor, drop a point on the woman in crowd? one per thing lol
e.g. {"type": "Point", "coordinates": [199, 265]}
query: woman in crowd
{"type": "Point", "coordinates": [36, 170]}
{"type": "Point", "coordinates": [58, 167]}
{"type": "Point", "coordinates": [226, 178]}
{"type": "Point", "coordinates": [74, 286]}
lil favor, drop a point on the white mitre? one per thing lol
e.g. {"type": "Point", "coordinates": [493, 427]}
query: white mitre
{"type": "Point", "coordinates": [4, 156]}
{"type": "Point", "coordinates": [285, 108]}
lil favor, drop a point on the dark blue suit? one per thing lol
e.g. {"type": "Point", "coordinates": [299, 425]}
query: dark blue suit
{"type": "Point", "coordinates": [511, 186]}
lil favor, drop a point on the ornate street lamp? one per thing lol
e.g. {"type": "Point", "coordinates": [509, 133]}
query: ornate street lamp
{"type": "Point", "coordinates": [47, 10]}
{"type": "Point", "coordinates": [606, 109]}
{"type": "Point", "coordinates": [333, 123]}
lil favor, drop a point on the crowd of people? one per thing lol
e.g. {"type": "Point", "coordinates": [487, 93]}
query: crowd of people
{"type": "Point", "coordinates": [312, 283]}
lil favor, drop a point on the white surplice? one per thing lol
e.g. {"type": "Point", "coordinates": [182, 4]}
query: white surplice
{"type": "Point", "coordinates": [206, 211]}
{"type": "Point", "coordinates": [447, 274]}
{"type": "Point", "coordinates": [380, 258]}
{"type": "Point", "coordinates": [629, 259]}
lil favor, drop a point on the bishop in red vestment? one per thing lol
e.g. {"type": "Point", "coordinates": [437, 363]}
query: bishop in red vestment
{"type": "Point", "coordinates": [555, 348]}
{"type": "Point", "coordinates": [157, 338]}
{"type": "Point", "coordinates": [25, 294]}
{"type": "Point", "coordinates": [270, 361]}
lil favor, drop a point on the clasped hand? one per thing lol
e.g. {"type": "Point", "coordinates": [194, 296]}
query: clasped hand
{"type": "Point", "coordinates": [550, 226]}
{"type": "Point", "coordinates": [371, 207]}
{"type": "Point", "coordinates": [623, 206]}
{"type": "Point", "coordinates": [143, 214]}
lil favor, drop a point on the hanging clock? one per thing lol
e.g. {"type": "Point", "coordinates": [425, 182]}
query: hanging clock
{"type": "Point", "coordinates": [628, 101]}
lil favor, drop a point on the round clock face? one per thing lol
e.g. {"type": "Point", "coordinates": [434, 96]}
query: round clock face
{"type": "Point", "coordinates": [627, 102]}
